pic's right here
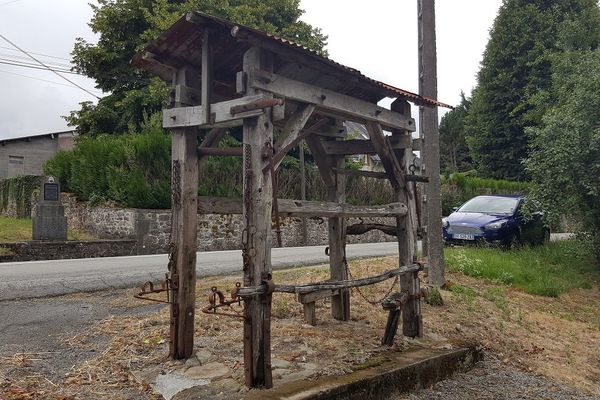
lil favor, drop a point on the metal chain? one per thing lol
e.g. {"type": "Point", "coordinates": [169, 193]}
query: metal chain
{"type": "Point", "coordinates": [361, 294]}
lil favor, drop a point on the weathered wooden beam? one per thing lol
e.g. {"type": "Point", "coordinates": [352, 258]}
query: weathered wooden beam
{"type": "Point", "coordinates": [362, 146]}
{"type": "Point", "coordinates": [340, 303]}
{"type": "Point", "coordinates": [257, 206]}
{"type": "Point", "coordinates": [281, 153]}
{"type": "Point", "coordinates": [184, 230]}
{"type": "Point", "coordinates": [359, 229]}
{"type": "Point", "coordinates": [221, 116]}
{"type": "Point", "coordinates": [207, 75]}
{"type": "Point", "coordinates": [303, 208]}
{"type": "Point", "coordinates": [412, 323]}
{"type": "Point", "coordinates": [292, 129]}
{"type": "Point", "coordinates": [220, 151]}
{"type": "Point", "coordinates": [323, 161]}
{"type": "Point", "coordinates": [385, 151]}
{"type": "Point", "coordinates": [340, 104]}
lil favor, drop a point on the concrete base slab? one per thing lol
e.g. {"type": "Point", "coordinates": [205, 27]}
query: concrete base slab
{"type": "Point", "coordinates": [395, 373]}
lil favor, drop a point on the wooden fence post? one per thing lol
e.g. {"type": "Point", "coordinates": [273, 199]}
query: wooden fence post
{"type": "Point", "coordinates": [258, 199]}
{"type": "Point", "coordinates": [184, 229]}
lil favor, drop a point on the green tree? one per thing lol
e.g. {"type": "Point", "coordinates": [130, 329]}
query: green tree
{"type": "Point", "coordinates": [125, 26]}
{"type": "Point", "coordinates": [454, 153]}
{"type": "Point", "coordinates": [564, 161]}
{"type": "Point", "coordinates": [514, 80]}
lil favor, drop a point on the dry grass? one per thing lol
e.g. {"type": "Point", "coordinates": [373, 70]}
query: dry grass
{"type": "Point", "coordinates": [557, 337]}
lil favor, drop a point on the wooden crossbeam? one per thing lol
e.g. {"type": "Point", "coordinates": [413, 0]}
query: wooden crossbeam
{"type": "Point", "coordinates": [303, 208]}
{"type": "Point", "coordinates": [362, 146]}
{"type": "Point", "coordinates": [220, 114]}
{"type": "Point", "coordinates": [349, 107]}
{"type": "Point", "coordinates": [379, 175]}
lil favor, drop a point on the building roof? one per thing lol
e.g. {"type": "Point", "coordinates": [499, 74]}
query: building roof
{"type": "Point", "coordinates": [181, 45]}
{"type": "Point", "coordinates": [36, 136]}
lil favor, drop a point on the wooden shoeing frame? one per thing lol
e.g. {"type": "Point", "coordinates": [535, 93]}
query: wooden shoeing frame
{"type": "Point", "coordinates": [266, 100]}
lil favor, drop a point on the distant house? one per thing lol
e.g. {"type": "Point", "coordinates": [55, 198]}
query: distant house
{"type": "Point", "coordinates": [26, 155]}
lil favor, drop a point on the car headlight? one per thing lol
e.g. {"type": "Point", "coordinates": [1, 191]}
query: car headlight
{"type": "Point", "coordinates": [445, 223]}
{"type": "Point", "coordinates": [496, 225]}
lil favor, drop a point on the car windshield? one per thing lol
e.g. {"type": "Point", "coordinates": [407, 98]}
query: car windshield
{"type": "Point", "coordinates": [490, 205]}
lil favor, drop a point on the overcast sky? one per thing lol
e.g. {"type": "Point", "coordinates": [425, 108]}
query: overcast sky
{"type": "Point", "coordinates": [378, 37]}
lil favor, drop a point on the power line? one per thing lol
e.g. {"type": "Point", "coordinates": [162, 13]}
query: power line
{"type": "Point", "coordinates": [44, 65]}
{"type": "Point", "coordinates": [25, 65]}
{"type": "Point", "coordinates": [37, 54]}
{"type": "Point", "coordinates": [38, 79]}
{"type": "Point", "coordinates": [20, 58]}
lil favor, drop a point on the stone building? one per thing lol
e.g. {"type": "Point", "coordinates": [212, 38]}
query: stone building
{"type": "Point", "coordinates": [26, 155]}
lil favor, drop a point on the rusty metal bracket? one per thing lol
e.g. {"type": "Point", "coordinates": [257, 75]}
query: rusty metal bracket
{"type": "Point", "coordinates": [217, 295]}
{"type": "Point", "coordinates": [147, 288]}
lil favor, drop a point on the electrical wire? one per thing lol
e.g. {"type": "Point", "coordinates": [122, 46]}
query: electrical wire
{"type": "Point", "coordinates": [44, 65]}
{"type": "Point", "coordinates": [18, 58]}
{"type": "Point", "coordinates": [37, 54]}
{"type": "Point", "coordinates": [16, 64]}
{"type": "Point", "coordinates": [37, 79]}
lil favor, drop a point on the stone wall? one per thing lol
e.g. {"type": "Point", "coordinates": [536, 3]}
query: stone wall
{"type": "Point", "coordinates": [151, 228]}
{"type": "Point", "coordinates": [61, 250]}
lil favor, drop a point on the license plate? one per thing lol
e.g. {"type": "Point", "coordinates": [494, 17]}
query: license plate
{"type": "Point", "coordinates": [463, 236]}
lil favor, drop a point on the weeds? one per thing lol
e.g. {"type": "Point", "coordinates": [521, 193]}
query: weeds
{"type": "Point", "coordinates": [546, 270]}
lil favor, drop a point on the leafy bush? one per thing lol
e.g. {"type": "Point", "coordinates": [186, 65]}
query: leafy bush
{"type": "Point", "coordinates": [132, 170]}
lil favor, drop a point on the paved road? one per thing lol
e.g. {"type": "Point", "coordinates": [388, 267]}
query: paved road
{"type": "Point", "coordinates": [55, 277]}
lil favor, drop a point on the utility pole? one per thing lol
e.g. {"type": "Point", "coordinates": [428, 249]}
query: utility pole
{"type": "Point", "coordinates": [430, 148]}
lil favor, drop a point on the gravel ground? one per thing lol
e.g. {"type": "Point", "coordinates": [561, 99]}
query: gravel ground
{"type": "Point", "coordinates": [495, 381]}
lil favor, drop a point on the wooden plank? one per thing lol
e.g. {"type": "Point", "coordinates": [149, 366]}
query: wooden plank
{"type": "Point", "coordinates": [207, 74]}
{"type": "Point", "coordinates": [292, 128]}
{"type": "Point", "coordinates": [349, 107]}
{"type": "Point", "coordinates": [323, 161]}
{"type": "Point", "coordinates": [311, 297]}
{"type": "Point", "coordinates": [184, 230]}
{"type": "Point", "coordinates": [310, 314]}
{"type": "Point", "coordinates": [304, 208]}
{"type": "Point", "coordinates": [181, 117]}
{"type": "Point", "coordinates": [340, 303]}
{"type": "Point", "coordinates": [257, 205]}
{"type": "Point", "coordinates": [385, 151]}
{"type": "Point", "coordinates": [362, 146]}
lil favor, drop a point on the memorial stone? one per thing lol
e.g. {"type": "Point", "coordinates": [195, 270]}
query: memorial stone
{"type": "Point", "coordinates": [49, 221]}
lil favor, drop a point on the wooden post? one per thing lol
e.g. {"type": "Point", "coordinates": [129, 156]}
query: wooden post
{"type": "Point", "coordinates": [340, 303]}
{"type": "Point", "coordinates": [429, 127]}
{"type": "Point", "coordinates": [412, 324]}
{"type": "Point", "coordinates": [258, 195]}
{"type": "Point", "coordinates": [303, 190]}
{"type": "Point", "coordinates": [184, 229]}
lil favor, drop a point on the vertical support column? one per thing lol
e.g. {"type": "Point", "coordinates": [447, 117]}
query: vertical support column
{"type": "Point", "coordinates": [340, 304]}
{"type": "Point", "coordinates": [412, 324]}
{"type": "Point", "coordinates": [429, 127]}
{"type": "Point", "coordinates": [258, 198]}
{"type": "Point", "coordinates": [184, 229]}
{"type": "Point", "coordinates": [303, 189]}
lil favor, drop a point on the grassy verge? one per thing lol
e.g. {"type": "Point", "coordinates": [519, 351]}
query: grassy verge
{"type": "Point", "coordinates": [20, 229]}
{"type": "Point", "coordinates": [546, 270]}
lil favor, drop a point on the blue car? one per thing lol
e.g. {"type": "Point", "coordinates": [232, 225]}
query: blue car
{"type": "Point", "coordinates": [494, 219]}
